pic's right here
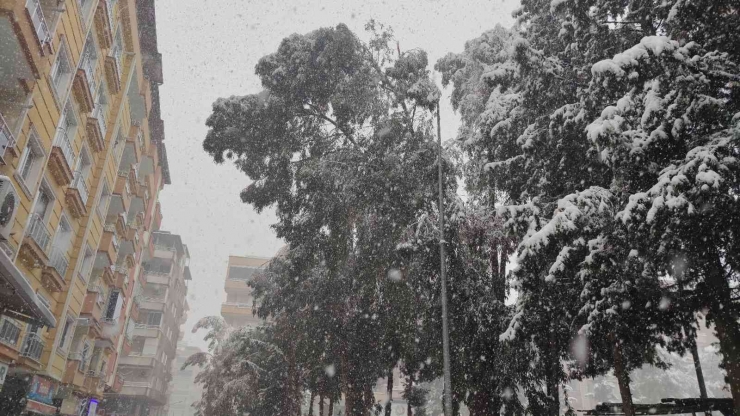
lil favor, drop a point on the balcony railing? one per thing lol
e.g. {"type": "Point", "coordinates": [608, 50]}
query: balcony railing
{"type": "Point", "coordinates": [9, 332]}
{"type": "Point", "coordinates": [100, 115]}
{"type": "Point", "coordinates": [164, 247]}
{"type": "Point", "coordinates": [39, 21]}
{"type": "Point", "coordinates": [66, 147]}
{"type": "Point", "coordinates": [87, 66]}
{"type": "Point", "coordinates": [147, 326]}
{"type": "Point", "coordinates": [79, 183]}
{"type": "Point", "coordinates": [59, 261]}
{"type": "Point", "coordinates": [110, 321]}
{"type": "Point", "coordinates": [33, 346]}
{"type": "Point", "coordinates": [38, 232]}
{"type": "Point", "coordinates": [114, 241]}
{"type": "Point", "coordinates": [6, 137]}
{"type": "Point", "coordinates": [238, 304]}
{"type": "Point", "coordinates": [109, 8]}
{"type": "Point", "coordinates": [147, 384]}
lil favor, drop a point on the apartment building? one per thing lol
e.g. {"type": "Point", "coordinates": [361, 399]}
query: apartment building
{"type": "Point", "coordinates": [146, 364]}
{"type": "Point", "coordinates": [82, 161]}
{"type": "Point", "coordinates": [237, 311]}
{"type": "Point", "coordinates": [185, 391]}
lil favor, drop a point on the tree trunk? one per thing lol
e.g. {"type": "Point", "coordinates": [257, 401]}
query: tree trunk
{"type": "Point", "coordinates": [331, 406]}
{"type": "Point", "coordinates": [623, 378]}
{"type": "Point", "coordinates": [699, 372]}
{"type": "Point", "coordinates": [409, 386]}
{"type": "Point", "coordinates": [369, 400]}
{"type": "Point", "coordinates": [310, 403]}
{"type": "Point", "coordinates": [389, 392]}
{"type": "Point", "coordinates": [321, 404]}
{"type": "Point", "coordinates": [727, 328]}
{"type": "Point", "coordinates": [553, 379]}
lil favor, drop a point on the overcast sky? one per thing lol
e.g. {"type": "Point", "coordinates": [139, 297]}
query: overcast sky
{"type": "Point", "coordinates": [210, 48]}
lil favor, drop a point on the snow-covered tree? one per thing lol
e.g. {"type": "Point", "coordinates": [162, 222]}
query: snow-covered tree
{"type": "Point", "coordinates": [340, 143]}
{"type": "Point", "coordinates": [610, 127]}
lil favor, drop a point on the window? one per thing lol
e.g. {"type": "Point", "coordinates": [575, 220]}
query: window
{"type": "Point", "coordinates": [39, 21]}
{"type": "Point", "coordinates": [89, 62]}
{"type": "Point", "coordinates": [117, 51]}
{"type": "Point", "coordinates": [241, 273]}
{"type": "Point", "coordinates": [32, 162]}
{"type": "Point", "coordinates": [104, 201]}
{"type": "Point", "coordinates": [66, 133]}
{"type": "Point", "coordinates": [63, 237]}
{"type": "Point", "coordinates": [115, 302]}
{"type": "Point", "coordinates": [84, 355]}
{"type": "Point", "coordinates": [67, 333]}
{"type": "Point", "coordinates": [154, 318]}
{"type": "Point", "coordinates": [87, 263]}
{"type": "Point", "coordinates": [61, 72]}
{"type": "Point", "coordinates": [100, 112]}
{"type": "Point", "coordinates": [44, 203]}
{"type": "Point", "coordinates": [81, 174]}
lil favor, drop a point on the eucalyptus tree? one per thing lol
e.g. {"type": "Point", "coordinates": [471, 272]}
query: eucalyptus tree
{"type": "Point", "coordinates": [340, 144]}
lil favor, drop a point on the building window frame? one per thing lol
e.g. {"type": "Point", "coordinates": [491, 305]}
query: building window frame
{"type": "Point", "coordinates": [31, 165]}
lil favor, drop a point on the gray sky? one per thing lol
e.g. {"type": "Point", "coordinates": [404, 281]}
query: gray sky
{"type": "Point", "coordinates": [210, 48]}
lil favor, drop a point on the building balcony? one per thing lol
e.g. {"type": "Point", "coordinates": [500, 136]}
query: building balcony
{"type": "Point", "coordinates": [104, 23]}
{"type": "Point", "coordinates": [84, 86]}
{"type": "Point", "coordinates": [33, 347]}
{"type": "Point", "coordinates": [148, 331]}
{"type": "Point", "coordinates": [7, 140]}
{"type": "Point", "coordinates": [114, 69]}
{"type": "Point", "coordinates": [164, 252]}
{"type": "Point", "coordinates": [106, 275]}
{"type": "Point", "coordinates": [161, 278]}
{"type": "Point", "coordinates": [72, 372]}
{"type": "Point", "coordinates": [20, 48]}
{"type": "Point", "coordinates": [120, 276]}
{"type": "Point", "coordinates": [53, 275]}
{"type": "Point", "coordinates": [153, 304]}
{"type": "Point", "coordinates": [236, 309]}
{"type": "Point", "coordinates": [143, 389]}
{"type": "Point", "coordinates": [109, 245]}
{"type": "Point", "coordinates": [135, 139]}
{"type": "Point", "coordinates": [35, 248]}
{"type": "Point", "coordinates": [117, 384]}
{"type": "Point", "coordinates": [123, 191]}
{"type": "Point", "coordinates": [111, 331]}
{"type": "Point", "coordinates": [92, 311]}
{"type": "Point", "coordinates": [152, 64]}
{"type": "Point", "coordinates": [77, 195]}
{"type": "Point", "coordinates": [94, 381]}
{"type": "Point", "coordinates": [40, 26]}
{"type": "Point", "coordinates": [10, 335]}
{"type": "Point", "coordinates": [95, 128]}
{"type": "Point", "coordinates": [237, 286]}
{"type": "Point", "coordinates": [137, 359]}
{"type": "Point", "coordinates": [61, 160]}
{"type": "Point", "coordinates": [135, 308]}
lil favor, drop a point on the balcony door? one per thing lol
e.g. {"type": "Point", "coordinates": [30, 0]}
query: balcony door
{"type": "Point", "coordinates": [115, 303]}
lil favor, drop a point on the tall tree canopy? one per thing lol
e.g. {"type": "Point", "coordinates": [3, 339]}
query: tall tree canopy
{"type": "Point", "coordinates": [610, 130]}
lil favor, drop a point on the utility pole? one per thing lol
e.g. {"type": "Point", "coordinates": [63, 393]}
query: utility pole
{"type": "Point", "coordinates": [443, 275]}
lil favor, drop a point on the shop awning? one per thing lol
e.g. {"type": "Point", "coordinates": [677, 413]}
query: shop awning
{"type": "Point", "coordinates": [17, 298]}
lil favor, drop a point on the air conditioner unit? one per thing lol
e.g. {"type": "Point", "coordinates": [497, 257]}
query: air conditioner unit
{"type": "Point", "coordinates": [9, 201]}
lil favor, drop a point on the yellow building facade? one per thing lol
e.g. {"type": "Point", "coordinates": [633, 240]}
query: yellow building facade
{"type": "Point", "coordinates": [238, 311]}
{"type": "Point", "coordinates": [82, 161]}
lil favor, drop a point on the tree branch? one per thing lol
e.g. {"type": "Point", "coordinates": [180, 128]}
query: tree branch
{"type": "Point", "coordinates": [317, 113]}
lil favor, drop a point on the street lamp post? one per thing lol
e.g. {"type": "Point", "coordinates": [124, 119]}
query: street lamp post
{"type": "Point", "coordinates": [443, 276]}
